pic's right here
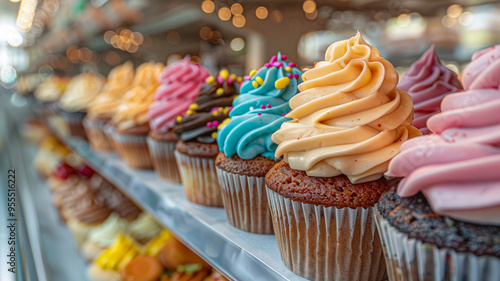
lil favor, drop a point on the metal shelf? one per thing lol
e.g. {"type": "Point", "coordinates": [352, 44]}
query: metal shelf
{"type": "Point", "coordinates": [237, 254]}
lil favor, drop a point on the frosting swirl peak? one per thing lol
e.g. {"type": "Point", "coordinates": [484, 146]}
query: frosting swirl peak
{"type": "Point", "coordinates": [428, 82]}
{"type": "Point", "coordinates": [349, 117]}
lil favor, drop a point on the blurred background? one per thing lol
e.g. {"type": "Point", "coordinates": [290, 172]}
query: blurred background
{"type": "Point", "coordinates": [67, 37]}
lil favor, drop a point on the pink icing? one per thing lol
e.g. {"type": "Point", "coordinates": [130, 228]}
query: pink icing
{"type": "Point", "coordinates": [180, 83]}
{"type": "Point", "coordinates": [428, 82]}
{"type": "Point", "coordinates": [458, 167]}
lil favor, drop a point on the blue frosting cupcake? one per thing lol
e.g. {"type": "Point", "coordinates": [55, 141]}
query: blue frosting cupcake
{"type": "Point", "coordinates": [260, 110]}
{"type": "Point", "coordinates": [245, 145]}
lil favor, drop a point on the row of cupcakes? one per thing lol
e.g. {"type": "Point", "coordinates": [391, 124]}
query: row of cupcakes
{"type": "Point", "coordinates": [347, 121]}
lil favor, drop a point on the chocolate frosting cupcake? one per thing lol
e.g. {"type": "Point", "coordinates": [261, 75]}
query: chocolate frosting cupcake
{"type": "Point", "coordinates": [211, 107]}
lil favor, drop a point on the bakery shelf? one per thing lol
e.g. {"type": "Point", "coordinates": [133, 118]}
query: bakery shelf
{"type": "Point", "coordinates": [45, 247]}
{"type": "Point", "coordinates": [237, 254]}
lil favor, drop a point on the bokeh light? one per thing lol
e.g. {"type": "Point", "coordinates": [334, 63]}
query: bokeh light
{"type": "Point", "coordinates": [261, 12]}
{"type": "Point", "coordinates": [8, 74]}
{"type": "Point", "coordinates": [208, 6]}
{"type": "Point", "coordinates": [224, 13]}
{"type": "Point", "coordinates": [237, 44]}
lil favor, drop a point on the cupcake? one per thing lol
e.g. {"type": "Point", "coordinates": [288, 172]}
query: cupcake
{"type": "Point", "coordinates": [144, 228]}
{"type": "Point", "coordinates": [180, 83]}
{"type": "Point", "coordinates": [443, 222]}
{"type": "Point", "coordinates": [100, 238]}
{"type": "Point", "coordinates": [349, 120]}
{"type": "Point", "coordinates": [79, 94]}
{"type": "Point", "coordinates": [107, 266]}
{"type": "Point", "coordinates": [428, 82]}
{"type": "Point", "coordinates": [197, 149]}
{"type": "Point", "coordinates": [47, 94]}
{"type": "Point", "coordinates": [103, 108]}
{"type": "Point", "coordinates": [246, 149]}
{"type": "Point", "coordinates": [130, 122]}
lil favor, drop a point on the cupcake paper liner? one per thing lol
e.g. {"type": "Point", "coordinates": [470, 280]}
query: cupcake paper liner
{"type": "Point", "coordinates": [412, 259]}
{"type": "Point", "coordinates": [199, 179]}
{"type": "Point", "coordinates": [73, 121]}
{"type": "Point", "coordinates": [327, 243]}
{"type": "Point", "coordinates": [95, 132]}
{"type": "Point", "coordinates": [245, 202]}
{"type": "Point", "coordinates": [134, 149]}
{"type": "Point", "coordinates": [109, 131]}
{"type": "Point", "coordinates": [163, 158]}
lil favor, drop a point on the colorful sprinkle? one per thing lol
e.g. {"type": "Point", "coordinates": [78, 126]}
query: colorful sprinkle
{"type": "Point", "coordinates": [193, 106]}
{"type": "Point", "coordinates": [288, 69]}
{"type": "Point", "coordinates": [178, 119]}
{"type": "Point", "coordinates": [255, 84]}
{"type": "Point", "coordinates": [315, 64]}
{"type": "Point", "coordinates": [284, 57]}
{"type": "Point", "coordinates": [189, 112]}
{"type": "Point", "coordinates": [233, 76]}
{"type": "Point", "coordinates": [215, 123]}
{"type": "Point", "coordinates": [277, 64]}
{"type": "Point", "coordinates": [281, 83]}
{"type": "Point", "coordinates": [296, 75]}
{"type": "Point", "coordinates": [380, 125]}
{"type": "Point", "coordinates": [305, 69]}
{"type": "Point", "coordinates": [262, 106]}
{"type": "Point", "coordinates": [252, 73]}
{"type": "Point", "coordinates": [291, 64]}
{"type": "Point", "coordinates": [290, 76]}
{"type": "Point", "coordinates": [251, 108]}
{"type": "Point", "coordinates": [246, 77]}
{"type": "Point", "coordinates": [215, 113]}
{"type": "Point", "coordinates": [229, 109]}
{"type": "Point", "coordinates": [239, 79]}
{"type": "Point", "coordinates": [259, 114]}
{"type": "Point", "coordinates": [223, 123]}
{"type": "Point", "coordinates": [268, 105]}
{"type": "Point", "coordinates": [283, 114]}
{"type": "Point", "coordinates": [209, 124]}
{"type": "Point", "coordinates": [214, 135]}
{"type": "Point", "coordinates": [259, 80]}
{"type": "Point", "coordinates": [267, 65]}
{"type": "Point", "coordinates": [210, 79]}
{"type": "Point", "coordinates": [219, 92]}
{"type": "Point", "coordinates": [230, 80]}
{"type": "Point", "coordinates": [224, 74]}
{"type": "Point", "coordinates": [273, 59]}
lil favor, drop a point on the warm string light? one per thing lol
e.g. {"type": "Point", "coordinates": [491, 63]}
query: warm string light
{"type": "Point", "coordinates": [124, 39]}
{"type": "Point", "coordinates": [261, 12]}
{"type": "Point", "coordinates": [455, 13]}
{"type": "Point", "coordinates": [26, 15]}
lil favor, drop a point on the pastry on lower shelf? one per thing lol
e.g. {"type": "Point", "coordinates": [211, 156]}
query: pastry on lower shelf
{"type": "Point", "coordinates": [34, 131]}
{"type": "Point", "coordinates": [101, 237]}
{"type": "Point", "coordinates": [50, 153]}
{"type": "Point", "coordinates": [174, 254]}
{"type": "Point", "coordinates": [154, 247]}
{"type": "Point", "coordinates": [144, 228]}
{"type": "Point", "coordinates": [191, 272]}
{"type": "Point", "coordinates": [197, 131]}
{"type": "Point", "coordinates": [142, 268]}
{"type": "Point", "coordinates": [107, 266]}
{"type": "Point", "coordinates": [60, 175]}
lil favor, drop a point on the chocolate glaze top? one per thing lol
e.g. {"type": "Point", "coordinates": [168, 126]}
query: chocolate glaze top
{"type": "Point", "coordinates": [211, 107]}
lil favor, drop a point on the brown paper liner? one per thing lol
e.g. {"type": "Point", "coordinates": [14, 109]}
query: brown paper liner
{"type": "Point", "coordinates": [73, 121]}
{"type": "Point", "coordinates": [95, 132]}
{"type": "Point", "coordinates": [134, 150]}
{"type": "Point", "coordinates": [245, 202]}
{"type": "Point", "coordinates": [162, 155]}
{"type": "Point", "coordinates": [326, 243]}
{"type": "Point", "coordinates": [409, 259]}
{"type": "Point", "coordinates": [199, 179]}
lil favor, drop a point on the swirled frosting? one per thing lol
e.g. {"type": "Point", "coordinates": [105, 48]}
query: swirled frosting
{"type": "Point", "coordinates": [180, 83]}
{"type": "Point", "coordinates": [259, 110]}
{"type": "Point", "coordinates": [81, 91]}
{"type": "Point", "coordinates": [211, 107]}
{"type": "Point", "coordinates": [134, 108]}
{"type": "Point", "coordinates": [119, 82]}
{"type": "Point", "coordinates": [428, 82]}
{"type": "Point", "coordinates": [349, 117]}
{"type": "Point", "coordinates": [51, 89]}
{"type": "Point", "coordinates": [105, 234]}
{"type": "Point", "coordinates": [457, 168]}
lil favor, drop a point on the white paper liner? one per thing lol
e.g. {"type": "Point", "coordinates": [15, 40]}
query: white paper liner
{"type": "Point", "coordinates": [134, 149]}
{"type": "Point", "coordinates": [327, 243]}
{"type": "Point", "coordinates": [73, 121]}
{"type": "Point", "coordinates": [199, 179]}
{"type": "Point", "coordinates": [95, 132]}
{"type": "Point", "coordinates": [411, 259]}
{"type": "Point", "coordinates": [245, 202]}
{"type": "Point", "coordinates": [162, 155]}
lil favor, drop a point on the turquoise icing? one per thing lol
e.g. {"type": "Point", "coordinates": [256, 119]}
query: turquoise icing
{"type": "Point", "coordinates": [248, 133]}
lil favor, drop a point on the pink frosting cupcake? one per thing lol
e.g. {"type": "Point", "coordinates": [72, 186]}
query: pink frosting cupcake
{"type": "Point", "coordinates": [180, 83]}
{"type": "Point", "coordinates": [428, 82]}
{"type": "Point", "coordinates": [446, 210]}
